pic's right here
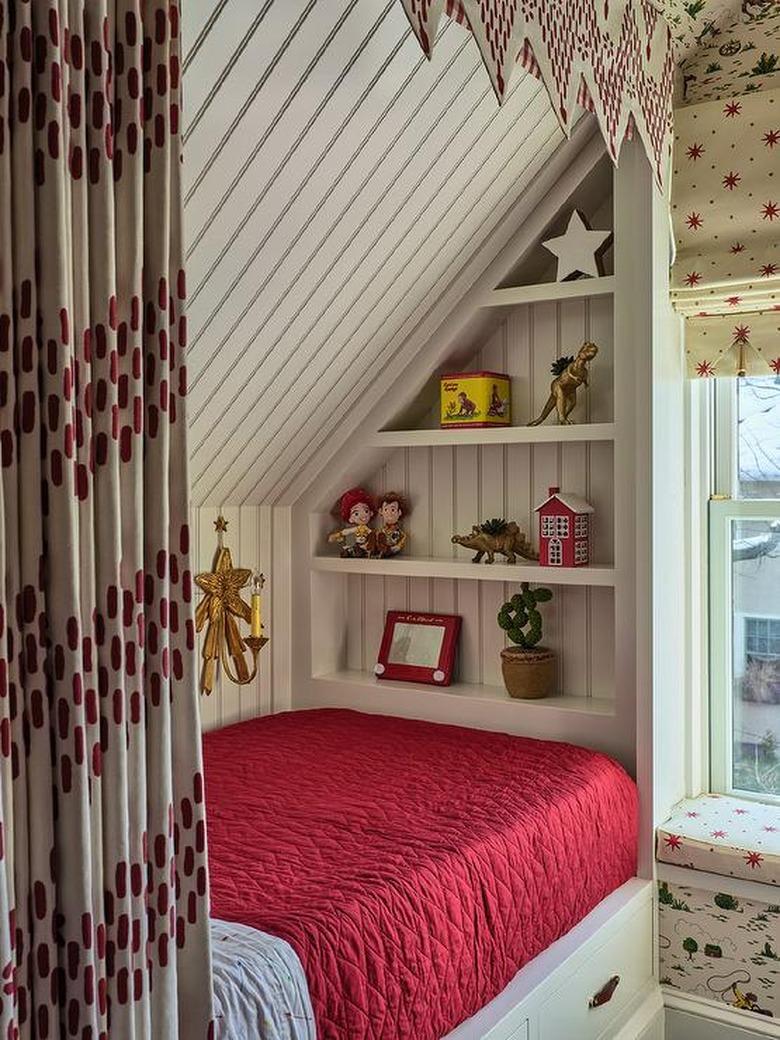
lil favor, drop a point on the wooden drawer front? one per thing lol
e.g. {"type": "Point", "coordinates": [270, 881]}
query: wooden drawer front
{"type": "Point", "coordinates": [628, 953]}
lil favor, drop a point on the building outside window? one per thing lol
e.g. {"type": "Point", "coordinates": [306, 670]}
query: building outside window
{"type": "Point", "coordinates": [762, 639]}
{"type": "Point", "coordinates": [744, 573]}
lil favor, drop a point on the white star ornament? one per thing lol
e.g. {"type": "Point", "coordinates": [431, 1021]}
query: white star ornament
{"type": "Point", "coordinates": [577, 248]}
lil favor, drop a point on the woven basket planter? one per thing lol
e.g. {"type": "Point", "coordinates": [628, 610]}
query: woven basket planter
{"type": "Point", "coordinates": [529, 674]}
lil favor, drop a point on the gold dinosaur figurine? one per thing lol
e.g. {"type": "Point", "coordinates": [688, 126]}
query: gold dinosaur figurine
{"type": "Point", "coordinates": [570, 373]}
{"type": "Point", "coordinates": [497, 536]}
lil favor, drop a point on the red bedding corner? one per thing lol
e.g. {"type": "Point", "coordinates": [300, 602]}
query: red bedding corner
{"type": "Point", "coordinates": [415, 868]}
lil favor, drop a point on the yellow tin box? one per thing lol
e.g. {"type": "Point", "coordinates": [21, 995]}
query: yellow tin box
{"type": "Point", "coordinates": [475, 399]}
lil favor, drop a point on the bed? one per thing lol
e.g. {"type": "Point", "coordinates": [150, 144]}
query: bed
{"type": "Point", "coordinates": [411, 868]}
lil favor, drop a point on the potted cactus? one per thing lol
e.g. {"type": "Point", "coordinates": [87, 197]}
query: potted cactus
{"type": "Point", "coordinates": [530, 670]}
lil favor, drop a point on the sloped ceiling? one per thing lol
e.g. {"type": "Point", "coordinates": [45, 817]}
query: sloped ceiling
{"type": "Point", "coordinates": [334, 180]}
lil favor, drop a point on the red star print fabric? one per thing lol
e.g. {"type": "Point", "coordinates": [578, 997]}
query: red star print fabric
{"type": "Point", "coordinates": [723, 835]}
{"type": "Point", "coordinates": [726, 214]}
{"type": "Point", "coordinates": [103, 882]}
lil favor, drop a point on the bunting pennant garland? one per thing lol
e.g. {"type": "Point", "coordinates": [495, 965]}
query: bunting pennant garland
{"type": "Point", "coordinates": [615, 59]}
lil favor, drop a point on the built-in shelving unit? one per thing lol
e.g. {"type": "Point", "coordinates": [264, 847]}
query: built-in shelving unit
{"type": "Point", "coordinates": [457, 477]}
{"type": "Point", "coordinates": [517, 320]}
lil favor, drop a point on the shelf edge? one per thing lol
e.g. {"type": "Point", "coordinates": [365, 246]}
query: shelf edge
{"type": "Point", "coordinates": [436, 437]}
{"type": "Point", "coordinates": [598, 706]}
{"type": "Point", "coordinates": [431, 567]}
{"type": "Point", "coordinates": [548, 292]}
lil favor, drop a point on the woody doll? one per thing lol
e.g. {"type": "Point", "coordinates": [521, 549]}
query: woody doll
{"type": "Point", "coordinates": [390, 538]}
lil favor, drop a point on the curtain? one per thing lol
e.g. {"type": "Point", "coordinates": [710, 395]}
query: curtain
{"type": "Point", "coordinates": [103, 884]}
{"type": "Point", "coordinates": [726, 200]}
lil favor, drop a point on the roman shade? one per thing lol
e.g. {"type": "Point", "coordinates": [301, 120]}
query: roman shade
{"type": "Point", "coordinates": [726, 200]}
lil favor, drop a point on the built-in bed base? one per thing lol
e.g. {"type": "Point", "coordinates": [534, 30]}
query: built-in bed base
{"type": "Point", "coordinates": [550, 999]}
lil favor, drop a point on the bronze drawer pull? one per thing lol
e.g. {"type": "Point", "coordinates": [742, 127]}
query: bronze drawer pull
{"type": "Point", "coordinates": [605, 994]}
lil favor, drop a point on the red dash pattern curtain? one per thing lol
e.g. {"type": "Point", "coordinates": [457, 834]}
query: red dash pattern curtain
{"type": "Point", "coordinates": [103, 885]}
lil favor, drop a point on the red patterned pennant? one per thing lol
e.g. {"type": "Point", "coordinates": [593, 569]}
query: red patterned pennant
{"type": "Point", "coordinates": [613, 57]}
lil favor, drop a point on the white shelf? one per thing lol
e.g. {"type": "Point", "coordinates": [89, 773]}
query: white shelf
{"type": "Point", "coordinates": [549, 291]}
{"type": "Point", "coordinates": [471, 692]}
{"type": "Point", "coordinates": [553, 434]}
{"type": "Point", "coordinates": [438, 567]}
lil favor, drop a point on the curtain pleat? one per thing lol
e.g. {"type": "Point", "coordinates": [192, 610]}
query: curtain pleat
{"type": "Point", "coordinates": [103, 886]}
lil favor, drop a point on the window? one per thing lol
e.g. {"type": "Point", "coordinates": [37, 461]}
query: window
{"type": "Point", "coordinates": [581, 526]}
{"type": "Point", "coordinates": [744, 573]}
{"type": "Point", "coordinates": [580, 552]}
{"type": "Point", "coordinates": [555, 526]}
{"type": "Point", "coordinates": [762, 639]}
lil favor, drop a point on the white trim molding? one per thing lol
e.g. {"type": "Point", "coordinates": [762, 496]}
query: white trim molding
{"type": "Point", "coordinates": [694, 1018]}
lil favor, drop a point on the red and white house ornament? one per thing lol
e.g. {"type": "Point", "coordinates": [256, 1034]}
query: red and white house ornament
{"type": "Point", "coordinates": [564, 530]}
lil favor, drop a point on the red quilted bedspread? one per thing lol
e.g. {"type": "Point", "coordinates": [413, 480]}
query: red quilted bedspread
{"type": "Point", "coordinates": [414, 868]}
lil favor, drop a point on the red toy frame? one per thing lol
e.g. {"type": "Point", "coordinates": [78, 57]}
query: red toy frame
{"type": "Point", "coordinates": [439, 676]}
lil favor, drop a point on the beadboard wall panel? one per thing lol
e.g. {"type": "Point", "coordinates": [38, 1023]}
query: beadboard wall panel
{"type": "Point", "coordinates": [336, 183]}
{"type": "Point", "coordinates": [250, 540]}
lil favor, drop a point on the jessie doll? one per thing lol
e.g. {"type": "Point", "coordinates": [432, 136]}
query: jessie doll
{"type": "Point", "coordinates": [390, 538]}
{"type": "Point", "coordinates": [357, 509]}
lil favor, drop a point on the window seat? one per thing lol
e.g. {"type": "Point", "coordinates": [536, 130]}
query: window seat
{"type": "Point", "coordinates": [723, 835]}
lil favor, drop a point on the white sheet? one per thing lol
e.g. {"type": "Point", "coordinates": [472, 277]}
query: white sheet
{"type": "Point", "coordinates": [260, 990]}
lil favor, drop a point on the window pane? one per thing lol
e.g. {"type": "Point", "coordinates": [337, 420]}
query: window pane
{"type": "Point", "coordinates": [758, 442]}
{"type": "Point", "coordinates": [756, 655]}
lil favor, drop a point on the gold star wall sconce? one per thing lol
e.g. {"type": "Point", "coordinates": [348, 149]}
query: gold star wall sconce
{"type": "Point", "coordinates": [221, 610]}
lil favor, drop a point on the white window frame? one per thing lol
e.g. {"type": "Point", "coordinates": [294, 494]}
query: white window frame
{"type": "Point", "coordinates": [723, 510]}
